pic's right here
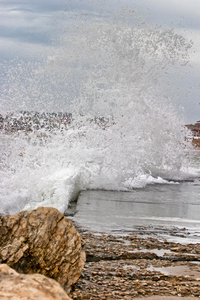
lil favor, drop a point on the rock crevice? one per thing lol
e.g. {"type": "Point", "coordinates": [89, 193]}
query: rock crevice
{"type": "Point", "coordinates": [42, 241]}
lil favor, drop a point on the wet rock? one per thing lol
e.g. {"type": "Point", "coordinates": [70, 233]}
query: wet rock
{"type": "Point", "coordinates": [125, 267]}
{"type": "Point", "coordinates": [15, 286]}
{"type": "Point", "coordinates": [42, 241]}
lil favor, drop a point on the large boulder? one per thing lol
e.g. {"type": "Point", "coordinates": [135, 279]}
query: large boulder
{"type": "Point", "coordinates": [42, 241]}
{"type": "Point", "coordinates": [14, 286]}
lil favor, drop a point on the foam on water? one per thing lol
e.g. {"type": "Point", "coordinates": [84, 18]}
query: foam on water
{"type": "Point", "coordinates": [116, 68]}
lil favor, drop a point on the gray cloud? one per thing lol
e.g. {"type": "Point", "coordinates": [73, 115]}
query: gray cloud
{"type": "Point", "coordinates": [53, 5]}
{"type": "Point", "coordinates": [40, 6]}
{"type": "Point", "coordinates": [25, 25]}
{"type": "Point", "coordinates": [34, 24]}
{"type": "Point", "coordinates": [23, 35]}
{"type": "Point", "coordinates": [176, 13]}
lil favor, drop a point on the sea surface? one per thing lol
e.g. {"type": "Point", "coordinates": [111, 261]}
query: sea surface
{"type": "Point", "coordinates": [123, 153]}
{"type": "Point", "coordinates": [168, 212]}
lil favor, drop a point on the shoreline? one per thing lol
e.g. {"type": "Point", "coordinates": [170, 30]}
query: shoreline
{"type": "Point", "coordinates": [129, 266]}
{"type": "Point", "coordinates": [32, 121]}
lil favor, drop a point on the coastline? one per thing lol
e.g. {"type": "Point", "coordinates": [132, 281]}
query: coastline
{"type": "Point", "coordinates": [31, 121]}
{"type": "Point", "coordinates": [129, 266]}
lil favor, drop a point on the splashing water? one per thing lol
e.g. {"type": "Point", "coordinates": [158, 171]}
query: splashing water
{"type": "Point", "coordinates": [113, 75]}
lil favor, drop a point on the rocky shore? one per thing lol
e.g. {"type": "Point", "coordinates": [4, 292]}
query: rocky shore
{"type": "Point", "coordinates": [16, 286]}
{"type": "Point", "coordinates": [195, 130]}
{"type": "Point", "coordinates": [196, 143]}
{"type": "Point", "coordinates": [28, 121]}
{"type": "Point", "coordinates": [42, 241]}
{"type": "Point", "coordinates": [42, 245]}
{"type": "Point", "coordinates": [129, 266]}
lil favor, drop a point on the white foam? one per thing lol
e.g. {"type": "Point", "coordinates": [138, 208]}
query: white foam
{"type": "Point", "coordinates": [107, 68]}
{"type": "Point", "coordinates": [144, 179]}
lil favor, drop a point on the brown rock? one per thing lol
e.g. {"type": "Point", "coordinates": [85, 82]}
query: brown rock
{"type": "Point", "coordinates": [16, 286]}
{"type": "Point", "coordinates": [42, 241]}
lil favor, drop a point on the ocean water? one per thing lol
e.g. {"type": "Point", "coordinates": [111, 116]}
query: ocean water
{"type": "Point", "coordinates": [169, 212]}
{"type": "Point", "coordinates": [115, 76]}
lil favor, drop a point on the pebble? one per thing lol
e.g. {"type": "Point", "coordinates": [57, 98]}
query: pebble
{"type": "Point", "coordinates": [113, 272]}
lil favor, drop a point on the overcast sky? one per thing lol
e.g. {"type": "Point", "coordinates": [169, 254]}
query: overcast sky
{"type": "Point", "coordinates": [29, 27]}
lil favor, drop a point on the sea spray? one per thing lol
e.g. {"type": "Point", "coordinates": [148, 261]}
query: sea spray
{"type": "Point", "coordinates": [113, 75]}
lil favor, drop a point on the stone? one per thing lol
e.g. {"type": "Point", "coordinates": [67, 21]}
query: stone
{"type": "Point", "coordinates": [14, 286]}
{"type": "Point", "coordinates": [42, 241]}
